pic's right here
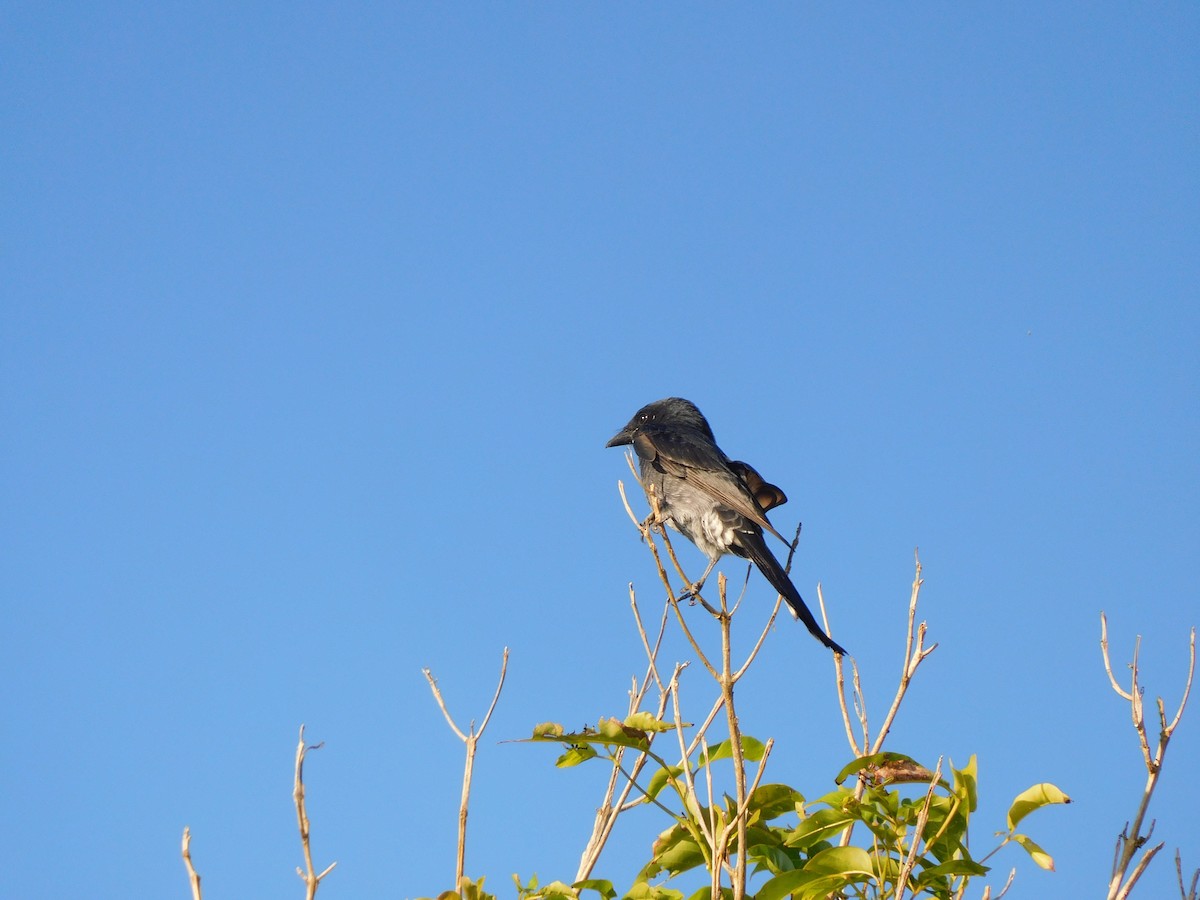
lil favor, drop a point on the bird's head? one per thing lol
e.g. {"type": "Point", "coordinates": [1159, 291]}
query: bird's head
{"type": "Point", "coordinates": [673, 411]}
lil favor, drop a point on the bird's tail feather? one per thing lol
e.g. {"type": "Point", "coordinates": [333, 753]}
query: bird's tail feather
{"type": "Point", "coordinates": [760, 554]}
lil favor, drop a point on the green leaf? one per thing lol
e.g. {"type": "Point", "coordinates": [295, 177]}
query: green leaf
{"type": "Point", "coordinates": [773, 800]}
{"type": "Point", "coordinates": [832, 869]}
{"type": "Point", "coordinates": [556, 890]}
{"type": "Point", "coordinates": [1040, 856]}
{"type": "Point", "coordinates": [784, 884]}
{"type": "Point", "coordinates": [827, 885]}
{"type": "Point", "coordinates": [660, 779]}
{"type": "Point", "coordinates": [614, 731]}
{"type": "Point", "coordinates": [822, 875]}
{"type": "Point", "coordinates": [644, 721]}
{"type": "Point", "coordinates": [611, 729]}
{"type": "Point", "coordinates": [547, 730]}
{"type": "Point", "coordinates": [575, 756]}
{"type": "Point", "coordinates": [825, 873]}
{"type": "Point", "coordinates": [675, 851]}
{"type": "Point", "coordinates": [770, 857]}
{"type": "Point", "coordinates": [954, 867]}
{"type": "Point", "coordinates": [840, 861]}
{"type": "Point", "coordinates": [643, 891]}
{"type": "Point", "coordinates": [965, 780]}
{"type": "Point", "coordinates": [820, 826]}
{"type": "Point", "coordinates": [524, 889]}
{"type": "Point", "coordinates": [1035, 797]}
{"type": "Point", "coordinates": [752, 751]}
{"type": "Point", "coordinates": [601, 886]}
{"type": "Point", "coordinates": [473, 890]}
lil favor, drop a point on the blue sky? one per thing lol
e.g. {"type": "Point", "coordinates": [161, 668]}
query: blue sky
{"type": "Point", "coordinates": [315, 321]}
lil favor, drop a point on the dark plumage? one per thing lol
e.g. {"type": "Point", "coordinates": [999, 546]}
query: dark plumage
{"type": "Point", "coordinates": [718, 504]}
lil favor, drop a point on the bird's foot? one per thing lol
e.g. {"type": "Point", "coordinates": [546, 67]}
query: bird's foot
{"type": "Point", "coordinates": [657, 523]}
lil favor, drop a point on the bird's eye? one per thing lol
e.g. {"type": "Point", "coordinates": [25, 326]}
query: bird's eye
{"type": "Point", "coordinates": [644, 417]}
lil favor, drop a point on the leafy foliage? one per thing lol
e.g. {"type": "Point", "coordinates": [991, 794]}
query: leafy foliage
{"type": "Point", "coordinates": [798, 848]}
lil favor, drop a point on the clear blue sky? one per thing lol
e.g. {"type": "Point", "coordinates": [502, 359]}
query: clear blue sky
{"type": "Point", "coordinates": [315, 321]}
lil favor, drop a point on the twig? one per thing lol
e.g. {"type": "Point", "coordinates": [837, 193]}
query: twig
{"type": "Point", "coordinates": [311, 879]}
{"type": "Point", "coordinates": [193, 875]}
{"type": "Point", "coordinates": [915, 653]}
{"type": "Point", "coordinates": [913, 657]}
{"type": "Point", "coordinates": [839, 675]}
{"type": "Point", "coordinates": [918, 834]}
{"type": "Point", "coordinates": [987, 891]}
{"type": "Point", "coordinates": [609, 810]}
{"type": "Point", "coordinates": [471, 739]}
{"type": "Point", "coordinates": [1131, 840]}
{"type": "Point", "coordinates": [1185, 892]}
{"type": "Point", "coordinates": [726, 680]}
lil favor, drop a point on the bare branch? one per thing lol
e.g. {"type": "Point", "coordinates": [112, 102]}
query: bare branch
{"type": "Point", "coordinates": [1012, 874]}
{"type": "Point", "coordinates": [1185, 892]}
{"type": "Point", "coordinates": [311, 879]}
{"type": "Point", "coordinates": [437, 695]}
{"type": "Point", "coordinates": [610, 809]}
{"type": "Point", "coordinates": [1127, 887]}
{"type": "Point", "coordinates": [915, 652]}
{"type": "Point", "coordinates": [193, 876]}
{"type": "Point", "coordinates": [918, 833]}
{"type": "Point", "coordinates": [471, 739]}
{"type": "Point", "coordinates": [839, 674]}
{"type": "Point", "coordinates": [1131, 839]}
{"type": "Point", "coordinates": [1112, 679]}
{"type": "Point", "coordinates": [1187, 688]}
{"type": "Point", "coordinates": [496, 696]}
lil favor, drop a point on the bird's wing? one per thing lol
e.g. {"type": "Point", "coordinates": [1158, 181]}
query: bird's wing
{"type": "Point", "coordinates": [768, 495]}
{"type": "Point", "coordinates": [686, 453]}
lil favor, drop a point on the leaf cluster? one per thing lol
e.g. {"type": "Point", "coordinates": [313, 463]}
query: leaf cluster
{"type": "Point", "coordinates": [799, 848]}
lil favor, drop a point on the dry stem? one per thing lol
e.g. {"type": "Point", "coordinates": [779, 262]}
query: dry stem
{"type": "Point", "coordinates": [471, 739]}
{"type": "Point", "coordinates": [915, 653]}
{"type": "Point", "coordinates": [918, 834]}
{"type": "Point", "coordinates": [1186, 892]}
{"type": "Point", "coordinates": [193, 875]}
{"type": "Point", "coordinates": [610, 809]}
{"type": "Point", "coordinates": [1131, 839]}
{"type": "Point", "coordinates": [311, 879]}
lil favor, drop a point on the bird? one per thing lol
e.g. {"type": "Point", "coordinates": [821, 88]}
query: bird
{"type": "Point", "coordinates": [717, 503]}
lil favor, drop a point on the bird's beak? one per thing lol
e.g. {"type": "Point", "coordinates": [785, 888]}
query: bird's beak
{"type": "Point", "coordinates": [621, 438]}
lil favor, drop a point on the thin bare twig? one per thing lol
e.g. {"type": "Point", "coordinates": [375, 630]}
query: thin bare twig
{"type": "Point", "coordinates": [193, 875]}
{"type": "Point", "coordinates": [1186, 892]}
{"type": "Point", "coordinates": [839, 675]}
{"type": "Point", "coordinates": [706, 840]}
{"type": "Point", "coordinates": [309, 874]}
{"type": "Point", "coordinates": [471, 739]}
{"type": "Point", "coordinates": [918, 834]}
{"type": "Point", "coordinates": [987, 891]}
{"type": "Point", "coordinates": [726, 680]}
